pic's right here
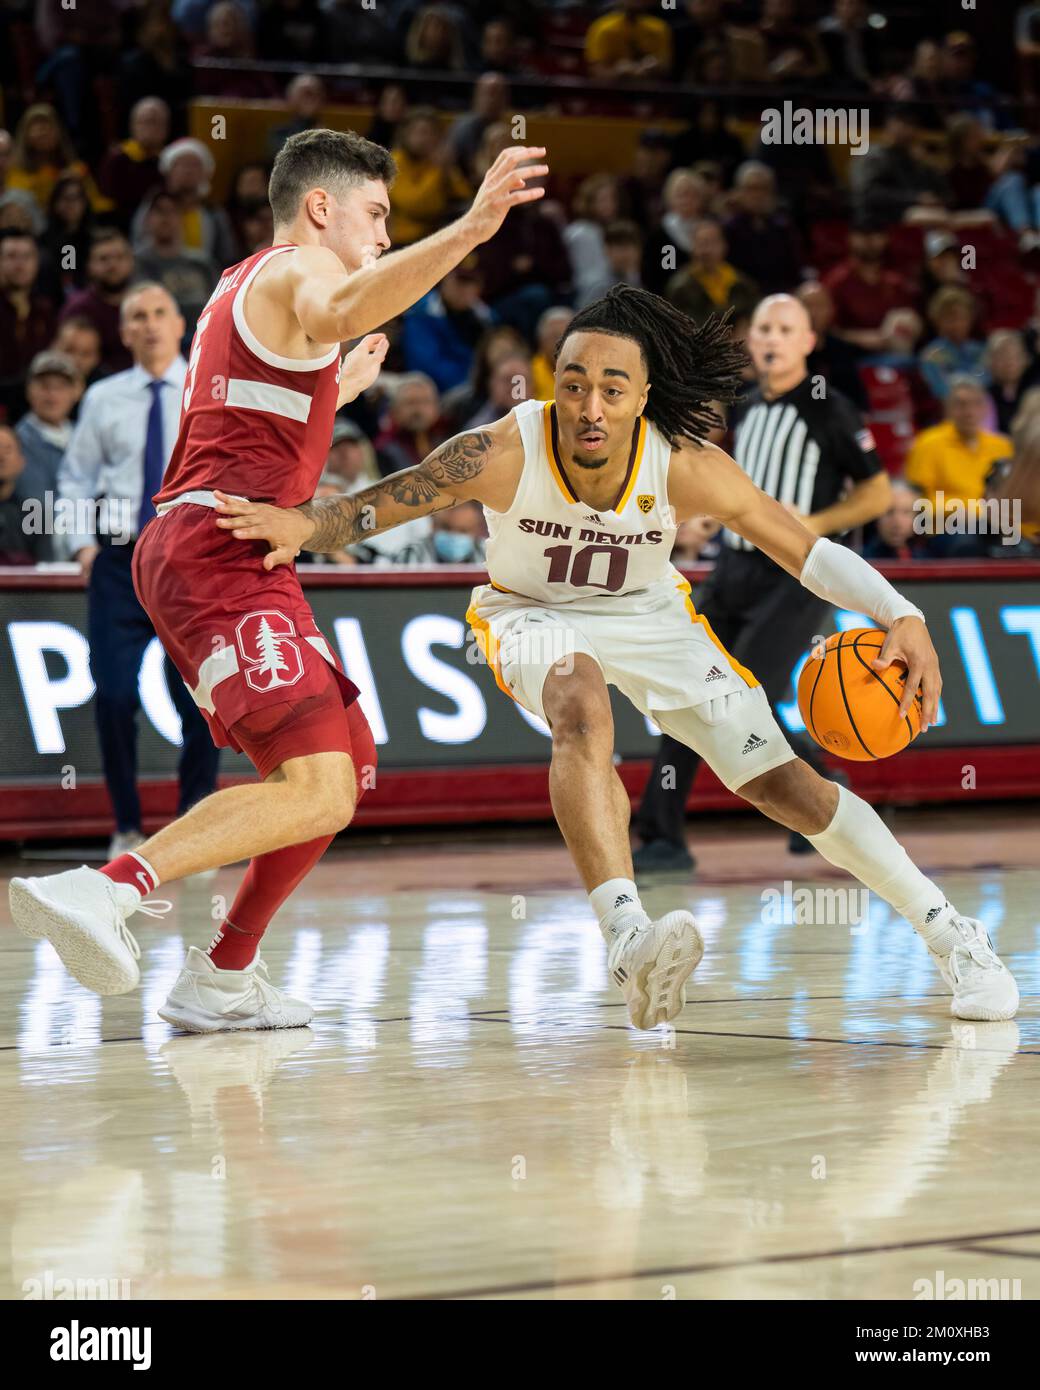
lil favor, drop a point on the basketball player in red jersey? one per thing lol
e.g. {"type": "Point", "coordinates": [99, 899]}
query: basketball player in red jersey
{"type": "Point", "coordinates": [264, 382]}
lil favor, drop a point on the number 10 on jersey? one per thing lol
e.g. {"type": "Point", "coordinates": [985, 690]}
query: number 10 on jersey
{"type": "Point", "coordinates": [570, 566]}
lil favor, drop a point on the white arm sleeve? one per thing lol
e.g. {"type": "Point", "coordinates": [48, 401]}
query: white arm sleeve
{"type": "Point", "coordinates": [844, 578]}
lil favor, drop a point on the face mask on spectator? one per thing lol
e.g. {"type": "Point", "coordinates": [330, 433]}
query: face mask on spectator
{"type": "Point", "coordinates": [453, 547]}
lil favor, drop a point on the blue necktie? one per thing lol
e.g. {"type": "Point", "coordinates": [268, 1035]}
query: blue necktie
{"type": "Point", "coordinates": [154, 460]}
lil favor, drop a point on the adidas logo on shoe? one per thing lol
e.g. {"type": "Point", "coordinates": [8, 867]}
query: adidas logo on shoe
{"type": "Point", "coordinates": [715, 675]}
{"type": "Point", "coordinates": [622, 898]}
{"type": "Point", "coordinates": [754, 742]}
{"type": "Point", "coordinates": [933, 914]}
{"type": "Point", "coordinates": [620, 975]}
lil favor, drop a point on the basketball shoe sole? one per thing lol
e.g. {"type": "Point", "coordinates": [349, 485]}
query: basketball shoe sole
{"type": "Point", "coordinates": [652, 964]}
{"type": "Point", "coordinates": [82, 913]}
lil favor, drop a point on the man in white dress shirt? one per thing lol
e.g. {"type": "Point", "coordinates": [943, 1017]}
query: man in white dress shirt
{"type": "Point", "coordinates": [122, 443]}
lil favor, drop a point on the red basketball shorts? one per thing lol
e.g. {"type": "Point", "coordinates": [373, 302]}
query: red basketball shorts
{"type": "Point", "coordinates": [246, 644]}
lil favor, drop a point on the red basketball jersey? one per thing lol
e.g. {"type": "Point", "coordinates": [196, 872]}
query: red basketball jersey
{"type": "Point", "coordinates": [252, 423]}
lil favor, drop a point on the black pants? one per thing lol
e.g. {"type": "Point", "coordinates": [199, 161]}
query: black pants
{"type": "Point", "coordinates": [765, 619]}
{"type": "Point", "coordinates": [119, 630]}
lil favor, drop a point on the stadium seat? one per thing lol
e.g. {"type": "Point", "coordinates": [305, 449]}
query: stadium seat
{"type": "Point", "coordinates": [888, 391]}
{"type": "Point", "coordinates": [893, 439]}
{"type": "Point", "coordinates": [828, 244]}
{"type": "Point", "coordinates": [890, 412]}
{"type": "Point", "coordinates": [905, 248]}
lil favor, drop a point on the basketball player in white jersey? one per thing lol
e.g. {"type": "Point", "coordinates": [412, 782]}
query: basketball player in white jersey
{"type": "Point", "coordinates": [582, 496]}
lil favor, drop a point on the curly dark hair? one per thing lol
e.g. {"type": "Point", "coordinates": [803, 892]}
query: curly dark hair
{"type": "Point", "coordinates": [687, 366]}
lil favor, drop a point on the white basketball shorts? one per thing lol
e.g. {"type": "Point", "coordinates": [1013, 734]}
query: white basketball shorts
{"type": "Point", "coordinates": [656, 649]}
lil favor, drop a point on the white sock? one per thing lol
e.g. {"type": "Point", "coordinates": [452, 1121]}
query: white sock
{"type": "Point", "coordinates": [858, 840]}
{"type": "Point", "coordinates": [613, 901]}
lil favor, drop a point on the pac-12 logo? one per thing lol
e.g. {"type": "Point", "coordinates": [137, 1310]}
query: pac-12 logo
{"type": "Point", "coordinates": [645, 502]}
{"type": "Point", "coordinates": [271, 658]}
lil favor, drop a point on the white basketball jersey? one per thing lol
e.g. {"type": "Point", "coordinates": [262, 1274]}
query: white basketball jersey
{"type": "Point", "coordinates": [551, 547]}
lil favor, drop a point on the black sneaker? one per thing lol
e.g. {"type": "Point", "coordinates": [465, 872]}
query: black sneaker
{"type": "Point", "coordinates": [663, 856]}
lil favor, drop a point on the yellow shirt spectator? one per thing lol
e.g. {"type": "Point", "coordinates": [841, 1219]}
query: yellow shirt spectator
{"type": "Point", "coordinates": [717, 282]}
{"type": "Point", "coordinates": [422, 196]}
{"type": "Point", "coordinates": [543, 378]}
{"type": "Point", "coordinates": [625, 38]}
{"type": "Point", "coordinates": [40, 183]}
{"type": "Point", "coordinates": [41, 153]}
{"type": "Point", "coordinates": [943, 459]}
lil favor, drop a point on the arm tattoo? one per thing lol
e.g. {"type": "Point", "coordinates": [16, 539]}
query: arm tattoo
{"type": "Point", "coordinates": [337, 522]}
{"type": "Point", "coordinates": [340, 521]}
{"type": "Point", "coordinates": [460, 458]}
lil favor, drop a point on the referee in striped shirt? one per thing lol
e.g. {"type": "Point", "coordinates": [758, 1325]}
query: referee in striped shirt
{"type": "Point", "coordinates": [803, 443]}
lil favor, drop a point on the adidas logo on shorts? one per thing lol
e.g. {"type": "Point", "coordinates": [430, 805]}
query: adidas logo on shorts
{"type": "Point", "coordinates": [715, 675]}
{"type": "Point", "coordinates": [754, 742]}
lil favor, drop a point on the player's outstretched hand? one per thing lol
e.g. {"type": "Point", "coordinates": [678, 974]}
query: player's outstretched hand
{"type": "Point", "coordinates": [283, 528]}
{"type": "Point", "coordinates": [505, 187]}
{"type": "Point", "coordinates": [361, 366]}
{"type": "Point", "coordinates": [909, 643]}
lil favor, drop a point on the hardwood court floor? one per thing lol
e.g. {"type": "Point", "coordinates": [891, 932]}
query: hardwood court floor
{"type": "Point", "coordinates": [471, 1116]}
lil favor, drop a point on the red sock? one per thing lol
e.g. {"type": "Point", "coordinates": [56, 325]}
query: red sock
{"type": "Point", "coordinates": [233, 949]}
{"type": "Point", "coordinates": [269, 880]}
{"type": "Point", "coordinates": [133, 870]}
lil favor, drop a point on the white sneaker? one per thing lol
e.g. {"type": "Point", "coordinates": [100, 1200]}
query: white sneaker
{"type": "Point", "coordinates": [123, 841]}
{"type": "Point", "coordinates": [82, 913]}
{"type": "Point", "coordinates": [651, 962]}
{"type": "Point", "coordinates": [983, 987]}
{"type": "Point", "coordinates": [208, 1000]}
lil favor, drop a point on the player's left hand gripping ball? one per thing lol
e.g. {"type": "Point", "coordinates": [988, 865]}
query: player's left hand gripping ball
{"type": "Point", "coordinates": [868, 694]}
{"type": "Point", "coordinates": [908, 641]}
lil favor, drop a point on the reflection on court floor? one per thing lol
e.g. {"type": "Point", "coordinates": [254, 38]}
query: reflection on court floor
{"type": "Point", "coordinates": [471, 1115]}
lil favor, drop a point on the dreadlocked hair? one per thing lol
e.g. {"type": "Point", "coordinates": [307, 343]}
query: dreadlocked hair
{"type": "Point", "coordinates": [687, 366]}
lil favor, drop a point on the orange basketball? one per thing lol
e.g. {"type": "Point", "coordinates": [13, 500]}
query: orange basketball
{"type": "Point", "coordinates": [851, 709]}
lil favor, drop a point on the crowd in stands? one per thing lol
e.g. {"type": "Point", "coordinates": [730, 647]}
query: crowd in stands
{"type": "Point", "coordinates": [920, 274]}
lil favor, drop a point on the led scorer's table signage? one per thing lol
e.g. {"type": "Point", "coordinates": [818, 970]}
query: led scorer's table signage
{"type": "Point", "coordinates": [430, 700]}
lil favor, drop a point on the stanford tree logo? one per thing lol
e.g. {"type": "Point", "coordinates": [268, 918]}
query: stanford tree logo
{"type": "Point", "coordinates": [271, 658]}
